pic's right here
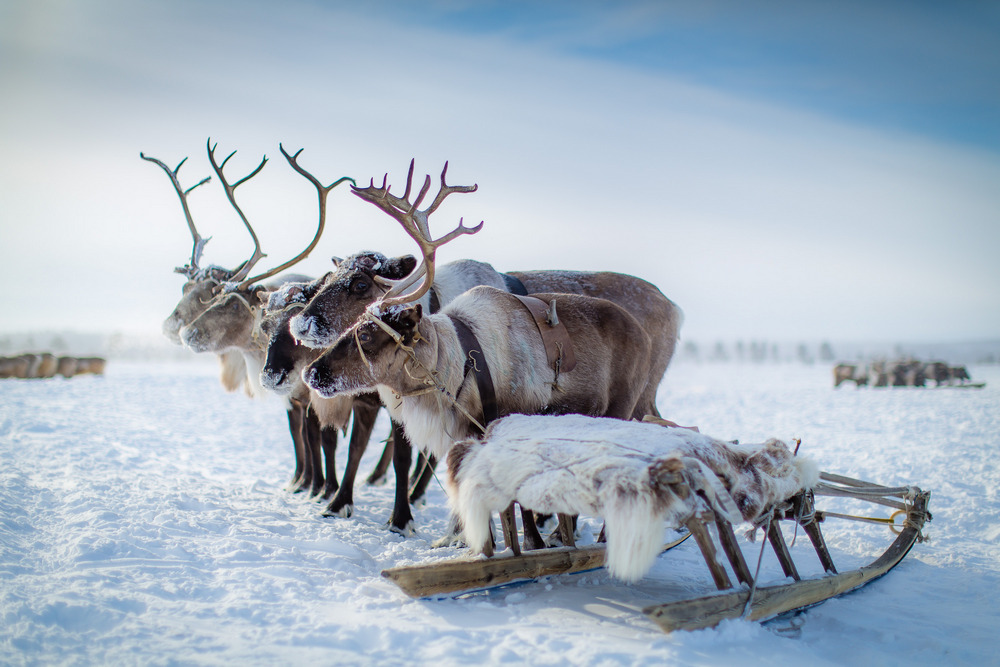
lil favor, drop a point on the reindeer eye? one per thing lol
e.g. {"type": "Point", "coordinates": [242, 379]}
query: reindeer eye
{"type": "Point", "coordinates": [365, 337]}
{"type": "Point", "coordinates": [360, 286]}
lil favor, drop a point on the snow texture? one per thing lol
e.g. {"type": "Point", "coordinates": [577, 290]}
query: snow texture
{"type": "Point", "coordinates": [143, 521]}
{"type": "Point", "coordinates": [609, 468]}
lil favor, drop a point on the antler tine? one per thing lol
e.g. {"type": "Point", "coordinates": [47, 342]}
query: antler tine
{"type": "Point", "coordinates": [322, 192]}
{"type": "Point", "coordinates": [231, 194]}
{"type": "Point", "coordinates": [199, 242]}
{"type": "Point", "coordinates": [415, 223]}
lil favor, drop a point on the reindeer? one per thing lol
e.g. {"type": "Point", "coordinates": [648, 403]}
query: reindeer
{"type": "Point", "coordinates": [16, 367]}
{"type": "Point", "coordinates": [417, 361]}
{"type": "Point", "coordinates": [200, 287]}
{"type": "Point", "coordinates": [281, 373]}
{"type": "Point", "coordinates": [233, 321]}
{"type": "Point", "coordinates": [92, 365]}
{"type": "Point", "coordinates": [360, 280]}
{"type": "Point", "coordinates": [197, 294]}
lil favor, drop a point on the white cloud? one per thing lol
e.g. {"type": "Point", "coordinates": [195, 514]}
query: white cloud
{"type": "Point", "coordinates": [758, 220]}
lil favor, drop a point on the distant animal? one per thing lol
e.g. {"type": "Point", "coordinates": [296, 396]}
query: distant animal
{"type": "Point", "coordinates": [46, 365]}
{"type": "Point", "coordinates": [15, 367]}
{"type": "Point", "coordinates": [960, 374]}
{"type": "Point", "coordinates": [939, 372]}
{"type": "Point", "coordinates": [850, 372]}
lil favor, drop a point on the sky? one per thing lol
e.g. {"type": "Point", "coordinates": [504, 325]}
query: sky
{"type": "Point", "coordinates": [782, 171]}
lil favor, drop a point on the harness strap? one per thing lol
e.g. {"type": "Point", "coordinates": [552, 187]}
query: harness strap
{"type": "Point", "coordinates": [558, 345]}
{"type": "Point", "coordinates": [475, 362]}
{"type": "Point", "coordinates": [434, 301]}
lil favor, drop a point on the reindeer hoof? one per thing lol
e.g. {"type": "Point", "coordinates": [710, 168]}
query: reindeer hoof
{"type": "Point", "coordinates": [344, 512]}
{"type": "Point", "coordinates": [377, 480]}
{"type": "Point", "coordinates": [409, 530]}
{"type": "Point", "coordinates": [450, 540]}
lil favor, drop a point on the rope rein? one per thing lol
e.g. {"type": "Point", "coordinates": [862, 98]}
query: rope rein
{"type": "Point", "coordinates": [430, 379]}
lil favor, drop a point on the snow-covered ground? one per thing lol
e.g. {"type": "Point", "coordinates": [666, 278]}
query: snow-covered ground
{"type": "Point", "coordinates": [143, 521]}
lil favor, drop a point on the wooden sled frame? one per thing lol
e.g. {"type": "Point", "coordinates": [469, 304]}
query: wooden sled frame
{"type": "Point", "coordinates": [762, 603]}
{"type": "Point", "coordinates": [467, 575]}
{"type": "Point", "coordinates": [449, 578]}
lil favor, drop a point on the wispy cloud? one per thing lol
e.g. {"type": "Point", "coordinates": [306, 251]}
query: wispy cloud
{"type": "Point", "coordinates": [758, 217]}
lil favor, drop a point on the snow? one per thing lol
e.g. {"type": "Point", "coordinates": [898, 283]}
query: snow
{"type": "Point", "coordinates": [143, 520]}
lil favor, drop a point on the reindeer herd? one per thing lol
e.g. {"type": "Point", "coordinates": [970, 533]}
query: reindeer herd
{"type": "Point", "coordinates": [902, 373]}
{"type": "Point", "coordinates": [47, 365]}
{"type": "Point", "coordinates": [445, 350]}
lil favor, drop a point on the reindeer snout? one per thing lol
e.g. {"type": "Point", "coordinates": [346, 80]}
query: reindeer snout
{"type": "Point", "coordinates": [273, 378]}
{"type": "Point", "coordinates": [192, 338]}
{"type": "Point", "coordinates": [315, 378]}
{"type": "Point", "coordinates": [171, 329]}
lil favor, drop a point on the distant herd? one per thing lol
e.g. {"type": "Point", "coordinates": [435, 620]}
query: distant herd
{"type": "Point", "coordinates": [46, 365]}
{"type": "Point", "coordinates": [901, 373]}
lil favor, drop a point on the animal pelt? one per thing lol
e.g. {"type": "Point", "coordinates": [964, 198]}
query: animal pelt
{"type": "Point", "coordinates": [615, 470]}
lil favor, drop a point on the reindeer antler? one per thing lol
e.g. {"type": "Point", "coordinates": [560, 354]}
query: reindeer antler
{"type": "Point", "coordinates": [199, 242]}
{"type": "Point", "coordinates": [322, 191]}
{"type": "Point", "coordinates": [414, 222]}
{"type": "Point", "coordinates": [244, 270]}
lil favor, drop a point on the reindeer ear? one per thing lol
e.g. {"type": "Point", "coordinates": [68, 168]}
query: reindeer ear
{"type": "Point", "coordinates": [398, 267]}
{"type": "Point", "coordinates": [259, 296]}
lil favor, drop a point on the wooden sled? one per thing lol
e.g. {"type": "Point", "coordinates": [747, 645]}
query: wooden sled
{"type": "Point", "coordinates": [467, 575]}
{"type": "Point", "coordinates": [748, 601]}
{"type": "Point", "coordinates": [762, 603]}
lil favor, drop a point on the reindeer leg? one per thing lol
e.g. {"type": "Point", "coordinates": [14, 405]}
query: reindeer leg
{"type": "Point", "coordinates": [402, 518]}
{"type": "Point", "coordinates": [328, 442]}
{"type": "Point", "coordinates": [295, 428]}
{"type": "Point", "coordinates": [314, 453]}
{"type": "Point", "coordinates": [361, 430]}
{"type": "Point", "coordinates": [532, 538]}
{"type": "Point", "coordinates": [377, 475]}
{"type": "Point", "coordinates": [419, 488]}
{"type": "Point", "coordinates": [418, 469]}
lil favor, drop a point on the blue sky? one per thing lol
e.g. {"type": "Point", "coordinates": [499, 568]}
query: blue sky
{"type": "Point", "coordinates": [781, 170]}
{"type": "Point", "coordinates": [925, 67]}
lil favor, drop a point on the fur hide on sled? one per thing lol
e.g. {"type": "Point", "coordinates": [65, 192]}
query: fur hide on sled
{"type": "Point", "coordinates": [610, 468]}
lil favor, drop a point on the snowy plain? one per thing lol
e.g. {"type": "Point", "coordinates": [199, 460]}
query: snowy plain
{"type": "Point", "coordinates": [143, 520]}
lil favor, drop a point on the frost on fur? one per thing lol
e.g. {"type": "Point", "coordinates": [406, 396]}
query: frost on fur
{"type": "Point", "coordinates": [617, 470]}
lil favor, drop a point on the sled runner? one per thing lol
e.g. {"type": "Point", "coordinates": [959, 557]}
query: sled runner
{"type": "Point", "coordinates": [466, 575]}
{"type": "Point", "coordinates": [642, 478]}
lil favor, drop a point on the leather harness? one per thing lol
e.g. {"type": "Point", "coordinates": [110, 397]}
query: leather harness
{"type": "Point", "coordinates": [558, 350]}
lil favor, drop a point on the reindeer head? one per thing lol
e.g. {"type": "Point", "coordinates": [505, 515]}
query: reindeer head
{"type": "Point", "coordinates": [376, 350]}
{"type": "Point", "coordinates": [285, 358]}
{"type": "Point", "coordinates": [231, 321]}
{"type": "Point", "coordinates": [368, 277]}
{"type": "Point", "coordinates": [200, 293]}
{"type": "Point", "coordinates": [344, 294]}
{"type": "Point", "coordinates": [196, 296]}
